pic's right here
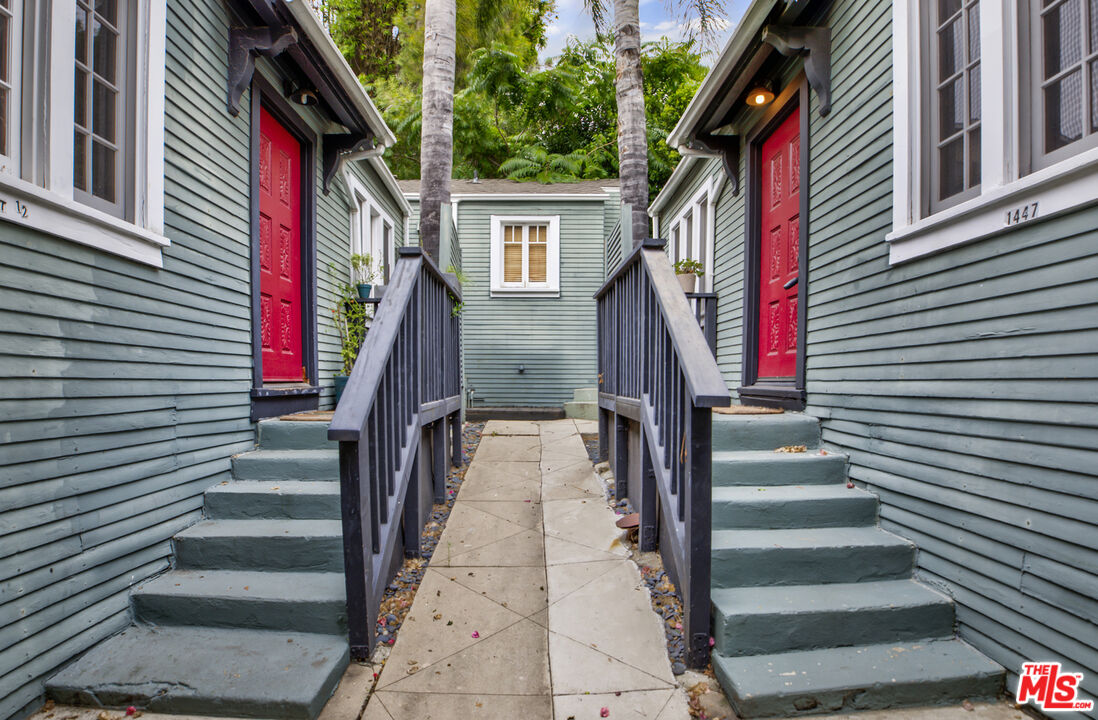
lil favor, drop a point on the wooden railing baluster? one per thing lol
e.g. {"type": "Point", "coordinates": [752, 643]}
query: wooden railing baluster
{"type": "Point", "coordinates": [391, 401]}
{"type": "Point", "coordinates": [658, 372]}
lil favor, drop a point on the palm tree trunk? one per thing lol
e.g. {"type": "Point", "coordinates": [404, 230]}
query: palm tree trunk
{"type": "Point", "coordinates": [632, 134]}
{"type": "Point", "coordinates": [436, 149]}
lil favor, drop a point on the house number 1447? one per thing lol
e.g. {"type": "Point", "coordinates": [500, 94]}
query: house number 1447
{"type": "Point", "coordinates": [1021, 214]}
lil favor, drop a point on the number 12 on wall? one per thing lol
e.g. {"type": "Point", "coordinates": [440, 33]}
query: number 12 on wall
{"type": "Point", "coordinates": [1021, 214]}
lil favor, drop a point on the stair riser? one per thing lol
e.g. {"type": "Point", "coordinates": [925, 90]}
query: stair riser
{"type": "Point", "coordinates": [249, 467]}
{"type": "Point", "coordinates": [329, 617]}
{"type": "Point", "coordinates": [931, 691]}
{"type": "Point", "coordinates": [290, 553]}
{"type": "Point", "coordinates": [581, 410]}
{"type": "Point", "coordinates": [857, 510]}
{"type": "Point", "coordinates": [807, 566]}
{"type": "Point", "coordinates": [282, 435]}
{"type": "Point", "coordinates": [759, 634]}
{"type": "Point", "coordinates": [585, 395]}
{"type": "Point", "coordinates": [764, 432]}
{"type": "Point", "coordinates": [243, 506]}
{"type": "Point", "coordinates": [782, 469]}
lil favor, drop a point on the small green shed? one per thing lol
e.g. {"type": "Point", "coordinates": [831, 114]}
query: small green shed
{"type": "Point", "coordinates": [531, 255]}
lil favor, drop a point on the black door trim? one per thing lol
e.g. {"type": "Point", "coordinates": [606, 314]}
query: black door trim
{"type": "Point", "coordinates": [267, 401]}
{"type": "Point", "coordinates": [788, 394]}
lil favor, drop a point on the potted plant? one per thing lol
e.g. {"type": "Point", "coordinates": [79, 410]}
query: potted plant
{"type": "Point", "coordinates": [362, 267]}
{"type": "Point", "coordinates": [349, 317]}
{"type": "Point", "coordinates": [688, 271]}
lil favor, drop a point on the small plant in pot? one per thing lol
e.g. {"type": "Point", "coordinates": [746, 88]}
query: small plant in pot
{"type": "Point", "coordinates": [688, 271]}
{"type": "Point", "coordinates": [349, 317]}
{"type": "Point", "coordinates": [362, 267]}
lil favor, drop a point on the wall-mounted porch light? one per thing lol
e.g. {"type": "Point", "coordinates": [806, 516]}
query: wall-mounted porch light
{"type": "Point", "coordinates": [302, 96]}
{"type": "Point", "coordinates": [760, 96]}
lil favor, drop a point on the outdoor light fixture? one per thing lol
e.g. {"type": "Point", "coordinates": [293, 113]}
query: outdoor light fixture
{"type": "Point", "coordinates": [301, 96]}
{"type": "Point", "coordinates": [760, 96]}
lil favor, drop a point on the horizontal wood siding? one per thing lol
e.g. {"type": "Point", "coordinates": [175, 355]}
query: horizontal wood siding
{"type": "Point", "coordinates": [963, 385]}
{"type": "Point", "coordinates": [728, 259]}
{"type": "Point", "coordinates": [553, 338]}
{"type": "Point", "coordinates": [124, 389]}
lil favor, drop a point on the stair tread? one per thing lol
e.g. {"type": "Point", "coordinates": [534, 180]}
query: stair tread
{"type": "Point", "coordinates": [263, 527]}
{"type": "Point", "coordinates": [315, 453]}
{"type": "Point", "coordinates": [833, 597]}
{"type": "Point", "coordinates": [786, 493]}
{"type": "Point", "coordinates": [799, 538]}
{"type": "Point", "coordinates": [866, 666]}
{"type": "Point", "coordinates": [281, 487]}
{"type": "Point", "coordinates": [248, 673]}
{"type": "Point", "coordinates": [248, 585]}
{"type": "Point", "coordinates": [757, 455]}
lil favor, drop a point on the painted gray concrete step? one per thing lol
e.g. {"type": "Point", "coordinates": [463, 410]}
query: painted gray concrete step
{"type": "Point", "coordinates": [287, 465]}
{"type": "Point", "coordinates": [766, 467]}
{"type": "Point", "coordinates": [296, 499]}
{"type": "Point", "coordinates": [590, 394]}
{"type": "Point", "coordinates": [582, 410]}
{"type": "Point", "coordinates": [284, 545]}
{"type": "Point", "coordinates": [764, 432]}
{"type": "Point", "coordinates": [207, 671]}
{"type": "Point", "coordinates": [744, 558]}
{"type": "Point", "coordinates": [792, 506]}
{"type": "Point", "coordinates": [761, 620]}
{"type": "Point", "coordinates": [293, 435]}
{"type": "Point", "coordinates": [296, 602]}
{"type": "Point", "coordinates": [865, 677]}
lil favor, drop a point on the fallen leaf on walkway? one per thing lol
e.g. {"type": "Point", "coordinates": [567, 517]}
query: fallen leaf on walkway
{"type": "Point", "coordinates": [437, 616]}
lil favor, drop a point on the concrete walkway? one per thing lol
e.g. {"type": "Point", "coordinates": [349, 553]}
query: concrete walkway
{"type": "Point", "coordinates": [531, 607]}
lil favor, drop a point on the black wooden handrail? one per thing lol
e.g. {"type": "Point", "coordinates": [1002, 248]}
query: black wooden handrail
{"type": "Point", "coordinates": [703, 377]}
{"type": "Point", "coordinates": [657, 372]}
{"type": "Point", "coordinates": [403, 395]}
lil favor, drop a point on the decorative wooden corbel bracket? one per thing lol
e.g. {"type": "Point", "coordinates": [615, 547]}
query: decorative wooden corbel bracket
{"type": "Point", "coordinates": [244, 44]}
{"type": "Point", "coordinates": [814, 45]}
{"type": "Point", "coordinates": [335, 144]}
{"type": "Point", "coordinates": [728, 148]}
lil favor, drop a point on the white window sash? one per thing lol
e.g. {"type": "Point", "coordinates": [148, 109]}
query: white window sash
{"type": "Point", "coordinates": [49, 205]}
{"type": "Point", "coordinates": [368, 222]}
{"type": "Point", "coordinates": [9, 161]}
{"type": "Point", "coordinates": [551, 286]}
{"type": "Point", "coordinates": [690, 237]}
{"type": "Point", "coordinates": [1056, 189]}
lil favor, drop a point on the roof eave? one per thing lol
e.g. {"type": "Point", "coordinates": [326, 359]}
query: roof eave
{"type": "Point", "coordinates": [742, 41]}
{"type": "Point", "coordinates": [318, 37]}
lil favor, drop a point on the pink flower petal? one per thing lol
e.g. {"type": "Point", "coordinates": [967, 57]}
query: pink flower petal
{"type": "Point", "coordinates": [605, 712]}
{"type": "Point", "coordinates": [476, 634]}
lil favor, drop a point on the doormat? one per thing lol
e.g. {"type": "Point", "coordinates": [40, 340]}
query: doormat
{"type": "Point", "coordinates": [310, 416]}
{"type": "Point", "coordinates": [747, 410]}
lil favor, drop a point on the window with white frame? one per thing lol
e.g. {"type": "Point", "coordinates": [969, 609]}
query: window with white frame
{"type": "Point", "coordinates": [82, 121]}
{"type": "Point", "coordinates": [372, 230]}
{"type": "Point", "coordinates": [525, 255]}
{"type": "Point", "coordinates": [995, 109]}
{"type": "Point", "coordinates": [692, 233]}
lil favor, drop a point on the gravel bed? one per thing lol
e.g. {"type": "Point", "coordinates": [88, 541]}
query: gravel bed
{"type": "Point", "coordinates": [397, 599]}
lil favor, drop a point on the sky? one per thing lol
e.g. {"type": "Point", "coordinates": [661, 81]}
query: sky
{"type": "Point", "coordinates": [657, 20]}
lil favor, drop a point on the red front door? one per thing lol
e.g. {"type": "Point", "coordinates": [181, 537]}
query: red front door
{"type": "Point", "coordinates": [279, 252]}
{"type": "Point", "coordinates": [779, 250]}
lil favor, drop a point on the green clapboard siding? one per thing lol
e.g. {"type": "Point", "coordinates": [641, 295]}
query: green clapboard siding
{"type": "Point", "coordinates": [963, 386]}
{"type": "Point", "coordinates": [124, 389]}
{"type": "Point", "coordinates": [553, 338]}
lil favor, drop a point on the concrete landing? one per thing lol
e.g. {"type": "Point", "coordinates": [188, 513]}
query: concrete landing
{"type": "Point", "coordinates": [531, 606]}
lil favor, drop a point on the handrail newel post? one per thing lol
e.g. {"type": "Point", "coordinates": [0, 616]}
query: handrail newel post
{"type": "Point", "coordinates": [699, 508]}
{"type": "Point", "coordinates": [356, 551]}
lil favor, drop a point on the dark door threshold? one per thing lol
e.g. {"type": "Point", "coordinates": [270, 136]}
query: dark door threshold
{"type": "Point", "coordinates": [283, 399]}
{"type": "Point", "coordinates": [774, 395]}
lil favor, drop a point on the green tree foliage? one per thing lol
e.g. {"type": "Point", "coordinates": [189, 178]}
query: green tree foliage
{"type": "Point", "coordinates": [513, 117]}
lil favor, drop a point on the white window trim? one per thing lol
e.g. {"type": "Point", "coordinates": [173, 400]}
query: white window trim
{"type": "Point", "coordinates": [1059, 188]}
{"type": "Point", "coordinates": [551, 288]}
{"type": "Point", "coordinates": [52, 209]}
{"type": "Point", "coordinates": [707, 196]}
{"type": "Point", "coordinates": [363, 199]}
